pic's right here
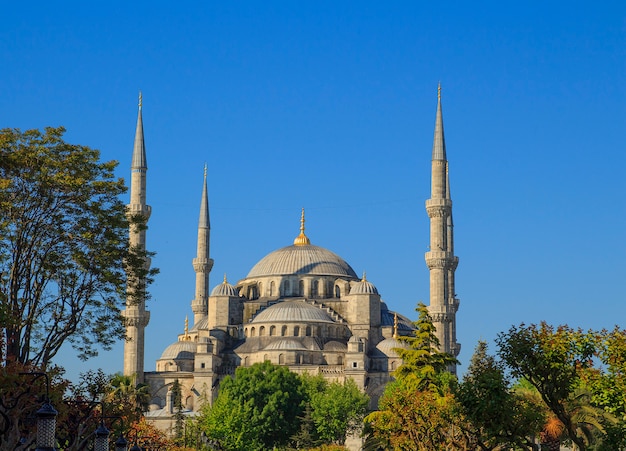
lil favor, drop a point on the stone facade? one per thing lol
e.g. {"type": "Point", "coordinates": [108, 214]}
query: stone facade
{"type": "Point", "coordinates": [301, 306]}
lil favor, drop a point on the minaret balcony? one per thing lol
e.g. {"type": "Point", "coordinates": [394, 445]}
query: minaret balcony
{"type": "Point", "coordinates": [440, 260]}
{"type": "Point", "coordinates": [439, 208]}
{"type": "Point", "coordinates": [139, 209]}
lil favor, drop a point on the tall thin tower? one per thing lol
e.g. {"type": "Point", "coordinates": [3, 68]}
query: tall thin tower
{"type": "Point", "coordinates": [202, 264]}
{"type": "Point", "coordinates": [136, 317]}
{"type": "Point", "coordinates": [440, 259]}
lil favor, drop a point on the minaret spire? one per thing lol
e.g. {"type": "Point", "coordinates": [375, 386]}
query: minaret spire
{"type": "Point", "coordinates": [136, 317]}
{"type": "Point", "coordinates": [440, 258]}
{"type": "Point", "coordinates": [202, 264]}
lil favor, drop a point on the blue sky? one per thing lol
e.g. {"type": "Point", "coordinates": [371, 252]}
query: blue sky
{"type": "Point", "coordinates": [331, 106]}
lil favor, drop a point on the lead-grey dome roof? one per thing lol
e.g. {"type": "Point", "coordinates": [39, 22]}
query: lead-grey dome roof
{"type": "Point", "coordinates": [363, 287]}
{"type": "Point", "coordinates": [225, 289]}
{"type": "Point", "coordinates": [180, 350]}
{"type": "Point", "coordinates": [302, 259]}
{"type": "Point", "coordinates": [292, 311]}
{"type": "Point", "coordinates": [389, 345]}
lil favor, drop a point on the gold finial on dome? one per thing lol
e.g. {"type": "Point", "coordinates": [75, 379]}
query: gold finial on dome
{"type": "Point", "coordinates": [186, 337]}
{"type": "Point", "coordinates": [395, 325]}
{"type": "Point", "coordinates": [225, 280]}
{"type": "Point", "coordinates": [302, 239]}
{"type": "Point", "coordinates": [364, 279]}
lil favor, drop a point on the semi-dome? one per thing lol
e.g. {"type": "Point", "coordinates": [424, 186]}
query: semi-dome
{"type": "Point", "coordinates": [286, 344]}
{"type": "Point", "coordinates": [302, 259]}
{"type": "Point", "coordinates": [292, 311]}
{"type": "Point", "coordinates": [335, 346]}
{"type": "Point", "coordinates": [389, 345]}
{"type": "Point", "coordinates": [180, 350]}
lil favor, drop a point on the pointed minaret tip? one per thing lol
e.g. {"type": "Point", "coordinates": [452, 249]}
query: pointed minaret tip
{"type": "Point", "coordinates": [204, 220]}
{"type": "Point", "coordinates": [225, 279]}
{"type": "Point", "coordinates": [302, 239]}
{"type": "Point", "coordinates": [439, 142]}
{"type": "Point", "coordinates": [139, 160]}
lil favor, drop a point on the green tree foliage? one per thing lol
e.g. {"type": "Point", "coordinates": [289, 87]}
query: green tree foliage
{"type": "Point", "coordinates": [257, 409]}
{"type": "Point", "coordinates": [179, 417]}
{"type": "Point", "coordinates": [553, 361]}
{"type": "Point", "coordinates": [338, 410]}
{"type": "Point", "coordinates": [496, 416]}
{"type": "Point", "coordinates": [63, 247]}
{"type": "Point", "coordinates": [424, 420]}
{"type": "Point", "coordinates": [418, 411]}
{"type": "Point", "coordinates": [422, 363]}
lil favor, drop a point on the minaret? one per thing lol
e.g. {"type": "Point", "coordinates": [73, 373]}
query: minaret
{"type": "Point", "coordinates": [202, 264]}
{"type": "Point", "coordinates": [440, 259]}
{"type": "Point", "coordinates": [136, 317]}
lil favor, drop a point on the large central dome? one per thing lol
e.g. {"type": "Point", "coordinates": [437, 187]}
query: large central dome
{"type": "Point", "coordinates": [302, 259]}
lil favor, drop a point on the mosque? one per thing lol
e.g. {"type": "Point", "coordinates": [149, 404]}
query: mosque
{"type": "Point", "coordinates": [301, 306]}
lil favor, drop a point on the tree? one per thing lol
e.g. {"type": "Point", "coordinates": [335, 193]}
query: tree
{"type": "Point", "coordinates": [126, 399]}
{"type": "Point", "coordinates": [179, 424]}
{"type": "Point", "coordinates": [423, 420]}
{"type": "Point", "coordinates": [418, 411]}
{"type": "Point", "coordinates": [338, 410]}
{"type": "Point", "coordinates": [497, 417]}
{"type": "Point", "coordinates": [552, 360]}
{"type": "Point", "coordinates": [256, 410]}
{"type": "Point", "coordinates": [64, 253]}
{"type": "Point", "coordinates": [422, 362]}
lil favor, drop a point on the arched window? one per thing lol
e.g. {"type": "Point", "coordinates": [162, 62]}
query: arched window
{"type": "Point", "coordinates": [272, 288]}
{"type": "Point", "coordinates": [245, 332]}
{"type": "Point", "coordinates": [308, 331]}
{"type": "Point", "coordinates": [296, 331]}
{"type": "Point", "coordinates": [283, 331]}
{"type": "Point", "coordinates": [301, 288]}
{"type": "Point", "coordinates": [260, 290]}
{"type": "Point", "coordinates": [315, 289]}
{"type": "Point", "coordinates": [245, 361]}
{"type": "Point", "coordinates": [272, 331]}
{"type": "Point", "coordinates": [252, 332]}
{"type": "Point", "coordinates": [261, 331]}
{"type": "Point", "coordinates": [281, 359]}
{"type": "Point", "coordinates": [339, 360]}
{"type": "Point", "coordinates": [286, 288]}
{"type": "Point", "coordinates": [337, 291]}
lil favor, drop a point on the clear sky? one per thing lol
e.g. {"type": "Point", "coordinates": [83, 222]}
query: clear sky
{"type": "Point", "coordinates": [331, 106]}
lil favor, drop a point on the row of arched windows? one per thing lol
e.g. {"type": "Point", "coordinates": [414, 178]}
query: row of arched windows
{"type": "Point", "coordinates": [294, 331]}
{"type": "Point", "coordinates": [290, 288]}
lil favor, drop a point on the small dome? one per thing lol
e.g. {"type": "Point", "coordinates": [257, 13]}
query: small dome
{"type": "Point", "coordinates": [302, 259]}
{"type": "Point", "coordinates": [292, 311]}
{"type": "Point", "coordinates": [180, 350]}
{"type": "Point", "coordinates": [286, 344]}
{"type": "Point", "coordinates": [388, 345]}
{"type": "Point", "coordinates": [363, 287]}
{"type": "Point", "coordinates": [225, 289]}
